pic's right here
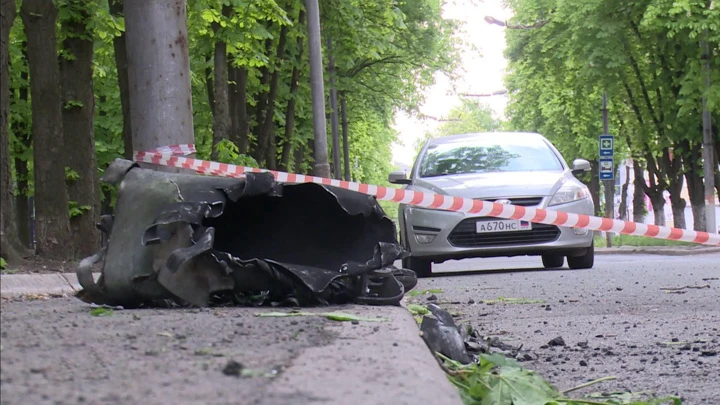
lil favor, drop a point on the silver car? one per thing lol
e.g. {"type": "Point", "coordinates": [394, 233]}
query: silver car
{"type": "Point", "coordinates": [507, 167]}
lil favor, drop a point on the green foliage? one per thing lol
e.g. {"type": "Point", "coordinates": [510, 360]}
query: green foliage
{"type": "Point", "coordinates": [469, 117]}
{"type": "Point", "coordinates": [69, 105]}
{"type": "Point", "coordinates": [70, 174]}
{"type": "Point", "coordinates": [75, 210]}
{"type": "Point", "coordinates": [646, 56]}
{"type": "Point", "coordinates": [386, 53]}
{"type": "Point", "coordinates": [3, 264]}
{"type": "Point", "coordinates": [497, 380]}
{"type": "Point", "coordinates": [228, 152]}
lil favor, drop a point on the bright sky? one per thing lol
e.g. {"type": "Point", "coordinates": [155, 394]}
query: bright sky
{"type": "Point", "coordinates": [482, 71]}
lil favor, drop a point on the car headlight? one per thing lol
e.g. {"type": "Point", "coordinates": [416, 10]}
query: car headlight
{"type": "Point", "coordinates": [569, 192]}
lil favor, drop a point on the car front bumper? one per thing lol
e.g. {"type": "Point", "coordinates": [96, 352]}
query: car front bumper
{"type": "Point", "coordinates": [453, 235]}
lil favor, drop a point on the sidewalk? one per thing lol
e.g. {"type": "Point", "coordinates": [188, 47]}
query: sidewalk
{"type": "Point", "coordinates": [379, 363]}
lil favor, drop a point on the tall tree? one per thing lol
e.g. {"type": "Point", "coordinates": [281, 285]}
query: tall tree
{"type": "Point", "coordinates": [52, 223]}
{"type": "Point", "coordinates": [10, 243]}
{"type": "Point", "coordinates": [79, 137]}
{"type": "Point", "coordinates": [121, 66]}
{"type": "Point", "coordinates": [158, 73]}
{"type": "Point", "coordinates": [221, 109]}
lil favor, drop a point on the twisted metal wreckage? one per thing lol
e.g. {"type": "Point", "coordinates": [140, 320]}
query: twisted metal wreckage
{"type": "Point", "coordinates": [204, 240]}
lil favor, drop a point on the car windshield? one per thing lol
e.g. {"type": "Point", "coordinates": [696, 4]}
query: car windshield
{"type": "Point", "coordinates": [488, 154]}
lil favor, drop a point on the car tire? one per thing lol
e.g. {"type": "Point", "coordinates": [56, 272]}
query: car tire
{"type": "Point", "coordinates": [584, 261]}
{"type": "Point", "coordinates": [551, 261]}
{"type": "Point", "coordinates": [421, 267]}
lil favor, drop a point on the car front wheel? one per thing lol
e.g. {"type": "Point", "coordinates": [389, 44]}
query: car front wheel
{"type": "Point", "coordinates": [584, 261]}
{"type": "Point", "coordinates": [421, 267]}
{"type": "Point", "coordinates": [551, 261]}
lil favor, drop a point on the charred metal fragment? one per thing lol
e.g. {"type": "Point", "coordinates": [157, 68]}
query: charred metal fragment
{"type": "Point", "coordinates": [193, 238]}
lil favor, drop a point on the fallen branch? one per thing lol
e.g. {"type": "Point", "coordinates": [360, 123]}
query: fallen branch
{"type": "Point", "coordinates": [684, 287]}
{"type": "Point", "coordinates": [589, 383]}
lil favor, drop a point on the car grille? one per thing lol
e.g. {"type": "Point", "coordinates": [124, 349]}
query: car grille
{"type": "Point", "coordinates": [465, 235]}
{"type": "Point", "coordinates": [523, 201]}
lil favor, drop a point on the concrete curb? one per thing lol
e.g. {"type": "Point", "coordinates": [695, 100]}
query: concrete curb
{"type": "Point", "coordinates": [18, 285]}
{"type": "Point", "coordinates": [385, 363]}
{"type": "Point", "coordinates": [658, 250]}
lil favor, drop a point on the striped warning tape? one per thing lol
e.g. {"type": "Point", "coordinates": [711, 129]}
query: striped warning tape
{"type": "Point", "coordinates": [176, 156]}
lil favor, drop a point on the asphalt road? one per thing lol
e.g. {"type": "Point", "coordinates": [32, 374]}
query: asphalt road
{"type": "Point", "coordinates": [628, 317]}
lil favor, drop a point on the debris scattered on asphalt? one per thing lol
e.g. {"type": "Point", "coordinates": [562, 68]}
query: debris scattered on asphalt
{"type": "Point", "coordinates": [233, 368]}
{"type": "Point", "coordinates": [558, 341]}
{"type": "Point", "coordinates": [432, 298]}
{"type": "Point", "coordinates": [442, 335]}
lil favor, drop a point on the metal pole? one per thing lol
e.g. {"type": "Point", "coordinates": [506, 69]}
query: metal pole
{"type": "Point", "coordinates": [317, 90]}
{"type": "Point", "coordinates": [708, 147]}
{"type": "Point", "coordinates": [609, 185]}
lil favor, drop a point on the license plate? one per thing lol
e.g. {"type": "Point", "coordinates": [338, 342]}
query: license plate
{"type": "Point", "coordinates": [502, 225]}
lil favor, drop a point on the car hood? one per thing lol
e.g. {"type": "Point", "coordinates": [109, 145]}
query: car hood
{"type": "Point", "coordinates": [495, 184]}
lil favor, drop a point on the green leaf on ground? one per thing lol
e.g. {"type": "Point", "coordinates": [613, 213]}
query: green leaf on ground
{"type": "Point", "coordinates": [333, 316]}
{"type": "Point", "coordinates": [508, 300]}
{"type": "Point", "coordinates": [101, 311]}
{"type": "Point", "coordinates": [415, 293]}
{"type": "Point", "coordinates": [417, 309]}
{"type": "Point", "coordinates": [499, 380]}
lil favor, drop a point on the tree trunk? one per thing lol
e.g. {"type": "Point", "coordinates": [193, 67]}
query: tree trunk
{"type": "Point", "coordinates": [639, 209]}
{"type": "Point", "coordinates": [221, 112]}
{"type": "Point", "coordinates": [10, 246]}
{"type": "Point", "coordinates": [595, 185]}
{"type": "Point", "coordinates": [79, 137]}
{"type": "Point", "coordinates": [622, 209]}
{"type": "Point", "coordinates": [22, 135]}
{"type": "Point", "coordinates": [52, 224]}
{"type": "Point", "coordinates": [121, 64]}
{"type": "Point", "coordinates": [678, 205]}
{"type": "Point", "coordinates": [658, 204]}
{"type": "Point", "coordinates": [209, 83]}
{"type": "Point", "coordinates": [238, 105]}
{"type": "Point", "coordinates": [334, 130]}
{"type": "Point", "coordinates": [345, 136]}
{"type": "Point", "coordinates": [158, 73]}
{"type": "Point", "coordinates": [266, 129]}
{"type": "Point", "coordinates": [287, 149]}
{"type": "Point", "coordinates": [695, 186]}
{"type": "Point", "coordinates": [673, 165]}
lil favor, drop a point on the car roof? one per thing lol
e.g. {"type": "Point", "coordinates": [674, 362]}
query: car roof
{"type": "Point", "coordinates": [503, 135]}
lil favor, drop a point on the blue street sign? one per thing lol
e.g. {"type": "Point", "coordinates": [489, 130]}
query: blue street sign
{"type": "Point", "coordinates": [607, 143]}
{"type": "Point", "coordinates": [607, 169]}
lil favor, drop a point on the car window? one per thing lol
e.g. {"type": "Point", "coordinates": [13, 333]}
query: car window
{"type": "Point", "coordinates": [488, 154]}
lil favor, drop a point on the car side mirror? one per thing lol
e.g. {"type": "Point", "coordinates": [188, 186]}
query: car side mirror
{"type": "Point", "coordinates": [398, 177]}
{"type": "Point", "coordinates": [580, 166]}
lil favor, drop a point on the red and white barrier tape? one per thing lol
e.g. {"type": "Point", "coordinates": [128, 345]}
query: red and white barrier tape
{"type": "Point", "coordinates": [175, 156]}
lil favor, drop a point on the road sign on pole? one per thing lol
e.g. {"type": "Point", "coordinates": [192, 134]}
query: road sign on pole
{"type": "Point", "coordinates": [607, 145]}
{"type": "Point", "coordinates": [607, 169]}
